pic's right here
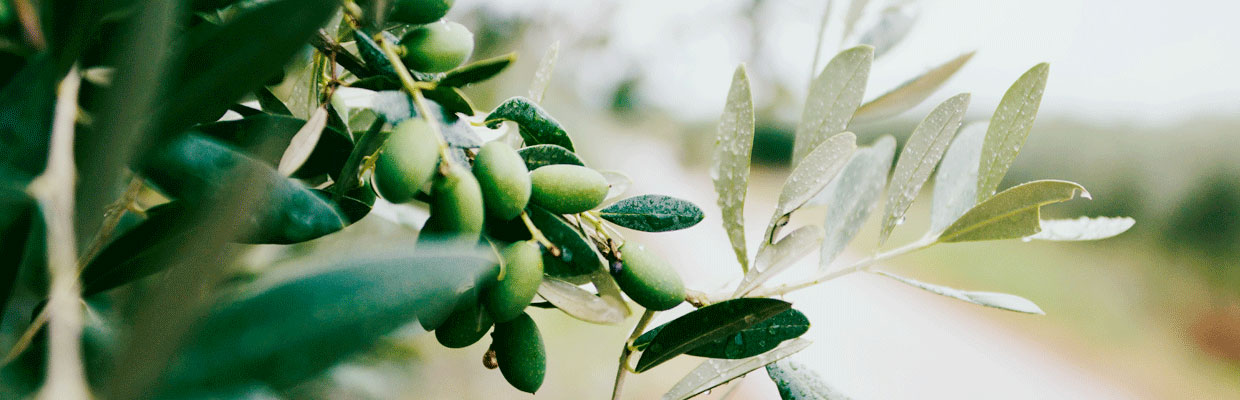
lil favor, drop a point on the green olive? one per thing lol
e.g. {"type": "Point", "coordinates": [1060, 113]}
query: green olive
{"type": "Point", "coordinates": [418, 11]}
{"type": "Point", "coordinates": [464, 327]}
{"type": "Point", "coordinates": [456, 205]}
{"type": "Point", "coordinates": [519, 352]}
{"type": "Point", "coordinates": [407, 161]}
{"type": "Point", "coordinates": [523, 272]}
{"type": "Point", "coordinates": [437, 47]}
{"type": "Point", "coordinates": [504, 180]}
{"type": "Point", "coordinates": [567, 189]}
{"type": "Point", "coordinates": [648, 279]}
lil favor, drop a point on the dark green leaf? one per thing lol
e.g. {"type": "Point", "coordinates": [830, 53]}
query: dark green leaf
{"type": "Point", "coordinates": [452, 99]}
{"type": "Point", "coordinates": [373, 55]}
{"type": "Point", "coordinates": [26, 105]}
{"type": "Point", "coordinates": [536, 126]}
{"type": "Point", "coordinates": [577, 255]}
{"type": "Point", "coordinates": [367, 146]}
{"type": "Point", "coordinates": [477, 71]}
{"type": "Point", "coordinates": [706, 325]}
{"type": "Point", "coordinates": [653, 213]}
{"type": "Point", "coordinates": [17, 214]}
{"type": "Point", "coordinates": [270, 103]}
{"type": "Point", "coordinates": [265, 138]}
{"type": "Point", "coordinates": [1013, 213]}
{"type": "Point", "coordinates": [284, 331]}
{"type": "Point", "coordinates": [541, 155]}
{"type": "Point", "coordinates": [798, 382]}
{"type": "Point", "coordinates": [749, 342]}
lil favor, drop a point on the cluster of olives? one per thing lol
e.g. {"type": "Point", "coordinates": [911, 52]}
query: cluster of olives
{"type": "Point", "coordinates": [495, 191]}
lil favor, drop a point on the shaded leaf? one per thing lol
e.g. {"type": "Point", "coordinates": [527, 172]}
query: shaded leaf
{"type": "Point", "coordinates": [26, 106]}
{"type": "Point", "coordinates": [774, 259]}
{"type": "Point", "coordinates": [810, 177]}
{"type": "Point", "coordinates": [705, 325]}
{"type": "Point", "coordinates": [266, 137]}
{"type": "Point", "coordinates": [797, 381]}
{"type": "Point", "coordinates": [541, 155]}
{"type": "Point", "coordinates": [373, 56]}
{"type": "Point", "coordinates": [893, 25]}
{"type": "Point", "coordinates": [270, 103]}
{"type": "Point", "coordinates": [303, 143]}
{"type": "Point", "coordinates": [653, 213]}
{"type": "Point", "coordinates": [451, 99]}
{"type": "Point", "coordinates": [477, 71]}
{"type": "Point", "coordinates": [833, 98]}
{"type": "Point", "coordinates": [955, 185]}
{"type": "Point", "coordinates": [542, 78]}
{"type": "Point", "coordinates": [535, 125]}
{"type": "Point", "coordinates": [922, 152]}
{"type": "Point", "coordinates": [853, 195]}
{"type": "Point", "coordinates": [580, 303]}
{"type": "Point", "coordinates": [1011, 214]}
{"type": "Point", "coordinates": [18, 213]}
{"type": "Point", "coordinates": [716, 372]}
{"type": "Point", "coordinates": [1083, 228]}
{"type": "Point", "coordinates": [1001, 301]}
{"type": "Point", "coordinates": [577, 255]}
{"type": "Point", "coordinates": [910, 93]}
{"type": "Point", "coordinates": [1009, 127]}
{"type": "Point", "coordinates": [749, 342]}
{"type": "Point", "coordinates": [729, 167]}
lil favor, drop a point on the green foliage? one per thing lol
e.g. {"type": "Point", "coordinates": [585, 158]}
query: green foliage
{"type": "Point", "coordinates": [754, 340]}
{"type": "Point", "coordinates": [653, 213]}
{"type": "Point", "coordinates": [707, 325]}
{"type": "Point", "coordinates": [730, 166]}
{"type": "Point", "coordinates": [797, 382]}
{"type": "Point", "coordinates": [535, 125]}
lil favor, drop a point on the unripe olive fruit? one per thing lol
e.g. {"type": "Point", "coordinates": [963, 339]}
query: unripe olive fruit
{"type": "Point", "coordinates": [567, 189]}
{"type": "Point", "coordinates": [418, 11]}
{"type": "Point", "coordinates": [519, 352]}
{"type": "Point", "coordinates": [504, 180]}
{"type": "Point", "coordinates": [456, 205]}
{"type": "Point", "coordinates": [468, 323]}
{"type": "Point", "coordinates": [437, 47]}
{"type": "Point", "coordinates": [523, 272]}
{"type": "Point", "coordinates": [648, 279]}
{"type": "Point", "coordinates": [407, 160]}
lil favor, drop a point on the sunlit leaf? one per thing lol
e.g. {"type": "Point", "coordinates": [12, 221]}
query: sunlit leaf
{"type": "Point", "coordinates": [713, 373]}
{"type": "Point", "coordinates": [853, 195]}
{"type": "Point", "coordinates": [1013, 213]}
{"type": "Point", "coordinates": [653, 213]}
{"type": "Point", "coordinates": [955, 185]}
{"type": "Point", "coordinates": [910, 93]}
{"type": "Point", "coordinates": [542, 78]}
{"type": "Point", "coordinates": [541, 155]}
{"type": "Point", "coordinates": [922, 152]}
{"type": "Point", "coordinates": [706, 325]}
{"type": "Point", "coordinates": [833, 98]}
{"type": "Point", "coordinates": [303, 143]}
{"type": "Point", "coordinates": [749, 342]}
{"type": "Point", "coordinates": [810, 177]}
{"type": "Point", "coordinates": [797, 381]}
{"type": "Point", "coordinates": [856, 8]}
{"type": "Point", "coordinates": [477, 71]}
{"type": "Point", "coordinates": [776, 258]}
{"type": "Point", "coordinates": [536, 126]}
{"type": "Point", "coordinates": [1083, 228]}
{"type": "Point", "coordinates": [729, 167]}
{"type": "Point", "coordinates": [1001, 301]}
{"type": "Point", "coordinates": [893, 25]}
{"type": "Point", "coordinates": [266, 137]}
{"type": "Point", "coordinates": [1009, 127]}
{"type": "Point", "coordinates": [580, 303]}
{"type": "Point", "coordinates": [618, 183]}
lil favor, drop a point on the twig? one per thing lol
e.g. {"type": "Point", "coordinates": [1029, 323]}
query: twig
{"type": "Point", "coordinates": [112, 218]}
{"type": "Point", "coordinates": [628, 351]}
{"type": "Point", "coordinates": [538, 235]}
{"type": "Point", "coordinates": [326, 45]}
{"type": "Point", "coordinates": [415, 90]}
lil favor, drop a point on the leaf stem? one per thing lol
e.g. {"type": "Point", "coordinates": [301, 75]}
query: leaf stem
{"type": "Point", "coordinates": [111, 218]}
{"type": "Point", "coordinates": [623, 368]}
{"type": "Point", "coordinates": [538, 235]}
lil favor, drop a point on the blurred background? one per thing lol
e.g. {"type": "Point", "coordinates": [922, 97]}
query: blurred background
{"type": "Point", "coordinates": [1142, 108]}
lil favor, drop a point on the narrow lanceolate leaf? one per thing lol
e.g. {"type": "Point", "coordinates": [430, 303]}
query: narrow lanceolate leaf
{"type": "Point", "coordinates": [892, 27]}
{"type": "Point", "coordinates": [713, 373]}
{"type": "Point", "coordinates": [1001, 301]}
{"type": "Point", "coordinates": [706, 325]}
{"type": "Point", "coordinates": [853, 195]}
{"type": "Point", "coordinates": [477, 71]}
{"type": "Point", "coordinates": [541, 155]}
{"type": "Point", "coordinates": [270, 103]}
{"type": "Point", "coordinates": [580, 303]}
{"type": "Point", "coordinates": [856, 9]}
{"type": "Point", "coordinates": [729, 167]}
{"type": "Point", "coordinates": [910, 93]}
{"type": "Point", "coordinates": [1083, 228]}
{"type": "Point", "coordinates": [955, 185]}
{"type": "Point", "coordinates": [618, 184]}
{"type": "Point", "coordinates": [653, 213]}
{"type": "Point", "coordinates": [810, 177]}
{"type": "Point", "coordinates": [303, 142]}
{"type": "Point", "coordinates": [797, 381]}
{"type": "Point", "coordinates": [833, 98]}
{"type": "Point", "coordinates": [751, 341]}
{"type": "Point", "coordinates": [1013, 213]}
{"type": "Point", "coordinates": [775, 259]}
{"type": "Point", "coordinates": [577, 256]}
{"type": "Point", "coordinates": [1009, 127]}
{"type": "Point", "coordinates": [535, 125]}
{"type": "Point", "coordinates": [542, 78]}
{"type": "Point", "coordinates": [922, 152]}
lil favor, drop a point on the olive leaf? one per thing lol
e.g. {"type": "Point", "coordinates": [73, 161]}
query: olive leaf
{"type": "Point", "coordinates": [26, 107]}
{"type": "Point", "coordinates": [809, 178]}
{"type": "Point", "coordinates": [910, 93]}
{"type": "Point", "coordinates": [617, 184]}
{"type": "Point", "coordinates": [1001, 301]}
{"type": "Point", "coordinates": [892, 26]}
{"type": "Point", "coordinates": [856, 8]}
{"type": "Point", "coordinates": [341, 305]}
{"type": "Point", "coordinates": [580, 303]}
{"type": "Point", "coordinates": [653, 213]}
{"type": "Point", "coordinates": [542, 78]}
{"type": "Point", "coordinates": [451, 98]}
{"type": "Point", "coordinates": [1013, 213]}
{"type": "Point", "coordinates": [266, 138]}
{"type": "Point", "coordinates": [955, 185]}
{"type": "Point", "coordinates": [729, 168]}
{"type": "Point", "coordinates": [535, 125]}
{"type": "Point", "coordinates": [1009, 128]}
{"type": "Point", "coordinates": [922, 152]}
{"type": "Point", "coordinates": [270, 103]}
{"type": "Point", "coordinates": [754, 340]}
{"type": "Point", "coordinates": [716, 372]}
{"type": "Point", "coordinates": [302, 145]}
{"type": "Point", "coordinates": [577, 256]}
{"type": "Point", "coordinates": [706, 325]}
{"type": "Point", "coordinates": [1083, 228]}
{"type": "Point", "coordinates": [375, 61]}
{"type": "Point", "coordinates": [853, 195]}
{"type": "Point", "coordinates": [17, 216]}
{"type": "Point", "coordinates": [797, 381]}
{"type": "Point", "coordinates": [833, 98]}
{"type": "Point", "coordinates": [775, 259]}
{"type": "Point", "coordinates": [541, 155]}
{"type": "Point", "coordinates": [477, 71]}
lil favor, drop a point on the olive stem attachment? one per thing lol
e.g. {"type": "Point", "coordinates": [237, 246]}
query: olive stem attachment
{"type": "Point", "coordinates": [628, 351]}
{"type": "Point", "coordinates": [538, 235]}
{"type": "Point", "coordinates": [415, 91]}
